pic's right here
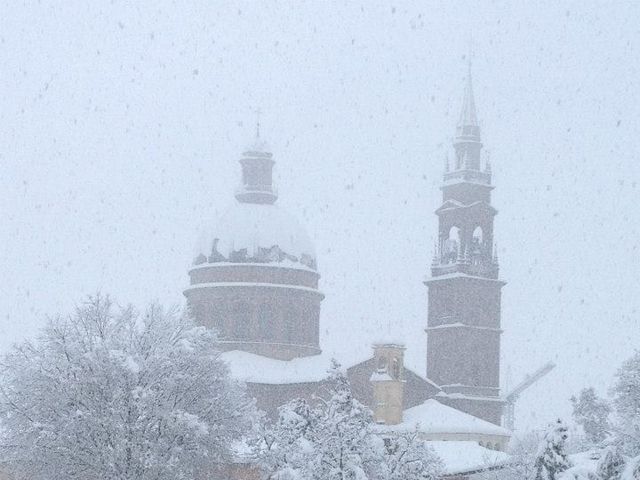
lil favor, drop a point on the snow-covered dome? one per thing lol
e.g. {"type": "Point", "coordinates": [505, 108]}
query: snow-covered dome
{"type": "Point", "coordinates": [254, 230]}
{"type": "Point", "coordinates": [257, 233]}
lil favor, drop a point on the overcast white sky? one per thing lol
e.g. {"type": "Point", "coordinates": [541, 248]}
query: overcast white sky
{"type": "Point", "coordinates": [122, 123]}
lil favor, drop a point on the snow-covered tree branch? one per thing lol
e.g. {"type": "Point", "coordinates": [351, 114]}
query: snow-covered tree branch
{"type": "Point", "coordinates": [335, 440]}
{"type": "Point", "coordinates": [112, 394]}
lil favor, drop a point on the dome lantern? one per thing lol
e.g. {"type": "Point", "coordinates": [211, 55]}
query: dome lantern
{"type": "Point", "coordinates": [257, 173]}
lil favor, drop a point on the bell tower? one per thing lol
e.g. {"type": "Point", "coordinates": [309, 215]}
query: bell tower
{"type": "Point", "coordinates": [464, 291]}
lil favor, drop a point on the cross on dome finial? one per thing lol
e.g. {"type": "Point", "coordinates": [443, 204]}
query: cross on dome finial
{"type": "Point", "coordinates": [258, 112]}
{"type": "Point", "coordinates": [258, 144]}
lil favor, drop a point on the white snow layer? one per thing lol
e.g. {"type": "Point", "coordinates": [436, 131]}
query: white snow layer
{"type": "Point", "coordinates": [253, 226]}
{"type": "Point", "coordinates": [578, 472]}
{"type": "Point", "coordinates": [286, 263]}
{"type": "Point", "coordinates": [434, 417]}
{"type": "Point", "coordinates": [251, 368]}
{"type": "Point", "coordinates": [588, 459]}
{"type": "Point", "coordinates": [461, 457]}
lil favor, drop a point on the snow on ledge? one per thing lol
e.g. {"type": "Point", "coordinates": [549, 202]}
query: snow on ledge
{"type": "Point", "coordinates": [448, 276]}
{"type": "Point", "coordinates": [462, 396]}
{"type": "Point", "coordinates": [380, 377]}
{"type": "Point", "coordinates": [252, 368]}
{"type": "Point", "coordinates": [197, 286]}
{"type": "Point", "coordinates": [286, 264]}
{"type": "Point", "coordinates": [462, 325]}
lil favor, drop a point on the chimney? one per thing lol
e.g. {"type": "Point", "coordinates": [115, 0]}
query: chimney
{"type": "Point", "coordinates": [388, 383]}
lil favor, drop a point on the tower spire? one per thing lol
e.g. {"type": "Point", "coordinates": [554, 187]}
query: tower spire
{"type": "Point", "coordinates": [468, 115]}
{"type": "Point", "coordinates": [467, 140]}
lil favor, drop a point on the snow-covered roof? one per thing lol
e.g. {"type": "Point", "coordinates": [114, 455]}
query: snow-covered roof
{"type": "Point", "coordinates": [462, 396]}
{"type": "Point", "coordinates": [380, 377]}
{"type": "Point", "coordinates": [256, 228]}
{"type": "Point", "coordinates": [252, 368]}
{"type": "Point", "coordinates": [433, 417]}
{"type": "Point", "coordinates": [464, 457]}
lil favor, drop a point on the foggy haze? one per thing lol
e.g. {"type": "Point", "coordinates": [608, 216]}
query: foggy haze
{"type": "Point", "coordinates": [122, 126]}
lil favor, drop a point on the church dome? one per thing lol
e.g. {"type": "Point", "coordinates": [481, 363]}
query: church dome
{"type": "Point", "coordinates": [257, 233]}
{"type": "Point", "coordinates": [255, 279]}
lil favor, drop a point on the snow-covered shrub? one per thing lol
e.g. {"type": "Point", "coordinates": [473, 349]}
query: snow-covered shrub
{"type": "Point", "coordinates": [551, 459]}
{"type": "Point", "coordinates": [522, 459]}
{"type": "Point", "coordinates": [334, 440]}
{"type": "Point", "coordinates": [626, 399]}
{"type": "Point", "coordinates": [282, 447]}
{"type": "Point", "coordinates": [108, 394]}
{"type": "Point", "coordinates": [578, 473]}
{"type": "Point", "coordinates": [611, 464]}
{"type": "Point", "coordinates": [632, 470]}
{"type": "Point", "coordinates": [407, 457]}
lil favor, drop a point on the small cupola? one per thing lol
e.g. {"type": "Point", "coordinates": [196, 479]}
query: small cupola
{"type": "Point", "coordinates": [257, 173]}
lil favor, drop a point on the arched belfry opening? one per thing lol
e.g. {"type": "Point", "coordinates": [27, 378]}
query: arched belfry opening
{"type": "Point", "coordinates": [477, 248]}
{"type": "Point", "coordinates": [451, 245]}
{"type": "Point", "coordinates": [477, 237]}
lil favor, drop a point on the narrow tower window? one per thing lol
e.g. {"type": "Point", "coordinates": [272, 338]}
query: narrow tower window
{"type": "Point", "coordinates": [396, 368]}
{"type": "Point", "coordinates": [382, 364]}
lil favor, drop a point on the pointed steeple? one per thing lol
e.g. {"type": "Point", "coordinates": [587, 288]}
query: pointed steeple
{"type": "Point", "coordinates": [468, 115]}
{"type": "Point", "coordinates": [467, 140]}
{"type": "Point", "coordinates": [468, 122]}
